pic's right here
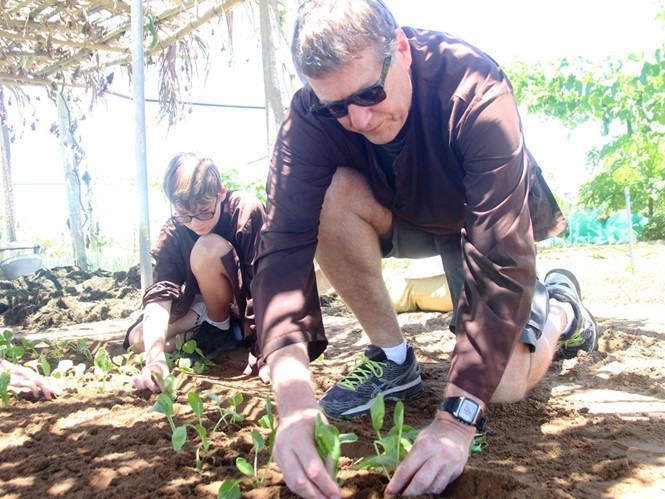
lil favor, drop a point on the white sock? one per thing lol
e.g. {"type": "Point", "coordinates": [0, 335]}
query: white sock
{"type": "Point", "coordinates": [225, 324]}
{"type": "Point", "coordinates": [570, 314]}
{"type": "Point", "coordinates": [397, 353]}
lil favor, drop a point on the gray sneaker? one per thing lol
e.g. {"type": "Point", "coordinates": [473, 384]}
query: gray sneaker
{"type": "Point", "coordinates": [374, 374]}
{"type": "Point", "coordinates": [583, 335]}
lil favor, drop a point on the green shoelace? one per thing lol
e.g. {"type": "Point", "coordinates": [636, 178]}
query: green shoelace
{"type": "Point", "coordinates": [365, 368]}
{"type": "Point", "coordinates": [576, 339]}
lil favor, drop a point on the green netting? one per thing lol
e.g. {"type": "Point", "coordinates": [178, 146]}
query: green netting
{"type": "Point", "coordinates": [587, 227]}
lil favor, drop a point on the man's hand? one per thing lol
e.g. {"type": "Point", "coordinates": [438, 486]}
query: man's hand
{"type": "Point", "coordinates": [253, 369]}
{"type": "Point", "coordinates": [437, 458]}
{"type": "Point", "coordinates": [152, 375]}
{"type": "Point", "coordinates": [295, 453]}
{"type": "Point", "coordinates": [22, 379]}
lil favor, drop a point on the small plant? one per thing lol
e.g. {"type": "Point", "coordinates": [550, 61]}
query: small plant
{"type": "Point", "coordinates": [267, 421]}
{"type": "Point", "coordinates": [230, 415]}
{"type": "Point", "coordinates": [391, 449]}
{"type": "Point", "coordinates": [164, 405]}
{"type": "Point", "coordinates": [478, 444]}
{"type": "Point", "coordinates": [8, 349]}
{"type": "Point", "coordinates": [42, 363]}
{"type": "Point", "coordinates": [81, 346]}
{"type": "Point", "coordinates": [4, 387]}
{"type": "Point", "coordinates": [329, 443]}
{"type": "Point", "coordinates": [181, 359]}
{"type": "Point", "coordinates": [229, 489]}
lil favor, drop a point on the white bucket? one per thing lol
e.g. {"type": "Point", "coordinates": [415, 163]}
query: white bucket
{"type": "Point", "coordinates": [19, 265]}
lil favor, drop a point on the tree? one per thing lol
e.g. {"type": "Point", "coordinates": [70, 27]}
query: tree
{"type": "Point", "coordinates": [627, 99]}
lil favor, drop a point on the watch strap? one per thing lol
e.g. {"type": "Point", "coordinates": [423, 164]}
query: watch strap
{"type": "Point", "coordinates": [452, 405]}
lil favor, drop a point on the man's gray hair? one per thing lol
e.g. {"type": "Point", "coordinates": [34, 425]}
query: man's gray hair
{"type": "Point", "coordinates": [329, 34]}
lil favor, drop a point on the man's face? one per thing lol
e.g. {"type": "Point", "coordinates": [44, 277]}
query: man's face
{"type": "Point", "coordinates": [381, 122]}
{"type": "Point", "coordinates": [201, 210]}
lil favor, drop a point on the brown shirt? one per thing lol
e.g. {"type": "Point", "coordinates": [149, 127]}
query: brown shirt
{"type": "Point", "coordinates": [464, 169]}
{"type": "Point", "coordinates": [240, 224]}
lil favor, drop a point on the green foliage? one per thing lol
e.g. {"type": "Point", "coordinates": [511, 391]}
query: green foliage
{"type": "Point", "coordinates": [478, 444]}
{"type": "Point", "coordinates": [627, 100]}
{"type": "Point", "coordinates": [256, 187]}
{"type": "Point", "coordinates": [267, 421]}
{"type": "Point", "coordinates": [5, 376]}
{"type": "Point", "coordinates": [229, 489]}
{"type": "Point", "coordinates": [654, 228]}
{"type": "Point", "coordinates": [392, 448]}
{"type": "Point", "coordinates": [329, 443]}
{"type": "Point", "coordinates": [181, 359]}
{"type": "Point", "coordinates": [8, 349]}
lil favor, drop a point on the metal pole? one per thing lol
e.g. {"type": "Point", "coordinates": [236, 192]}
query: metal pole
{"type": "Point", "coordinates": [140, 143]}
{"type": "Point", "coordinates": [630, 230]}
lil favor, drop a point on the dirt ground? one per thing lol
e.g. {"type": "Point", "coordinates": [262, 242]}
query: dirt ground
{"type": "Point", "coordinates": [595, 426]}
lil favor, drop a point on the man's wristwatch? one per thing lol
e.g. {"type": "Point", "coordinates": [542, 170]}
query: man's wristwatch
{"type": "Point", "coordinates": [465, 410]}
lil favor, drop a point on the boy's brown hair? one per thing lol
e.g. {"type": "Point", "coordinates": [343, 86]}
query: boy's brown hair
{"type": "Point", "coordinates": [190, 181]}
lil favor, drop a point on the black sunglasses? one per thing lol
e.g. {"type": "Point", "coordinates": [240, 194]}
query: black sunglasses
{"type": "Point", "coordinates": [369, 96]}
{"type": "Point", "coordinates": [203, 216]}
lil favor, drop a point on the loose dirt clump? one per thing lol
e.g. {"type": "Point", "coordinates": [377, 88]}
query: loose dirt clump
{"type": "Point", "coordinates": [61, 296]}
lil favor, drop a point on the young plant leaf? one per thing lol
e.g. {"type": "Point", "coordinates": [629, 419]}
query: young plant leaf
{"type": "Point", "coordinates": [164, 405]}
{"type": "Point", "coordinates": [178, 342]}
{"type": "Point", "coordinates": [195, 403]}
{"type": "Point", "coordinates": [377, 411]}
{"type": "Point", "coordinates": [4, 384]}
{"type": "Point", "coordinates": [179, 437]}
{"type": "Point", "coordinates": [189, 346]}
{"type": "Point", "coordinates": [257, 440]}
{"type": "Point", "coordinates": [229, 489]}
{"type": "Point", "coordinates": [244, 467]}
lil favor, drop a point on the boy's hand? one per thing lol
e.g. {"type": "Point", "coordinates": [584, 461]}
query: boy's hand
{"type": "Point", "coordinates": [253, 369]}
{"type": "Point", "coordinates": [22, 379]}
{"type": "Point", "coordinates": [152, 375]}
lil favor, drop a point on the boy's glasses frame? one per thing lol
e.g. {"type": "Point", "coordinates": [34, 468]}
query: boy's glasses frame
{"type": "Point", "coordinates": [203, 216]}
{"type": "Point", "coordinates": [369, 96]}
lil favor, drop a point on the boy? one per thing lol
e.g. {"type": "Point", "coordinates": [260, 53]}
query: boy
{"type": "Point", "coordinates": [208, 245]}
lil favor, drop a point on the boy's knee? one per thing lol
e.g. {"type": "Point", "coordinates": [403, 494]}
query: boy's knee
{"type": "Point", "coordinates": [207, 251]}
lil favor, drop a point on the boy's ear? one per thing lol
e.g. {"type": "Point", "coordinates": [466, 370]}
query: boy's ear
{"type": "Point", "coordinates": [222, 192]}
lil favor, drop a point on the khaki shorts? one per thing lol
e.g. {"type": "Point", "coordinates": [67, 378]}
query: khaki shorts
{"type": "Point", "coordinates": [409, 241]}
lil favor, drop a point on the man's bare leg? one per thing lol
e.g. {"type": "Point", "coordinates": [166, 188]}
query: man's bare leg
{"type": "Point", "coordinates": [349, 253]}
{"type": "Point", "coordinates": [526, 369]}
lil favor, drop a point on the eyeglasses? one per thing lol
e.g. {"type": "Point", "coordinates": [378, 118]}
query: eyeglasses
{"type": "Point", "coordinates": [365, 97]}
{"type": "Point", "coordinates": [203, 216]}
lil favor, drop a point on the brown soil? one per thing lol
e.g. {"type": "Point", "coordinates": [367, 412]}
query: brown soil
{"type": "Point", "coordinates": [595, 426]}
{"type": "Point", "coordinates": [66, 295]}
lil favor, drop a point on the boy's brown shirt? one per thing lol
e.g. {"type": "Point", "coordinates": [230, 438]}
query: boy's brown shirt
{"type": "Point", "coordinates": [240, 221]}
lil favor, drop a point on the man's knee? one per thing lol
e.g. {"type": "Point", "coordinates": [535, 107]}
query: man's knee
{"type": "Point", "coordinates": [348, 197]}
{"type": "Point", "coordinates": [208, 251]}
{"type": "Point", "coordinates": [514, 384]}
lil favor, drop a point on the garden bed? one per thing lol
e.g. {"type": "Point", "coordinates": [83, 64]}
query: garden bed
{"type": "Point", "coordinates": [595, 426]}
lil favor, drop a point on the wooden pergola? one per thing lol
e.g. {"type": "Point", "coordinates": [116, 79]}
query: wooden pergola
{"type": "Point", "coordinates": [64, 44]}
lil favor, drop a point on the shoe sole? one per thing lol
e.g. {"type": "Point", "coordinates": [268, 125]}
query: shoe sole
{"type": "Point", "coordinates": [412, 389]}
{"type": "Point", "coordinates": [570, 276]}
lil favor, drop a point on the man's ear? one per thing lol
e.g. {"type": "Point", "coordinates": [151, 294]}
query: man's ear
{"type": "Point", "coordinates": [402, 48]}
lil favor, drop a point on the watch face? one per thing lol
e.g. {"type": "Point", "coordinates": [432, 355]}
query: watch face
{"type": "Point", "coordinates": [468, 410]}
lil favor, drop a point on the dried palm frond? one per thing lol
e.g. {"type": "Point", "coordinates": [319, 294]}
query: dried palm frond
{"type": "Point", "coordinates": [179, 65]}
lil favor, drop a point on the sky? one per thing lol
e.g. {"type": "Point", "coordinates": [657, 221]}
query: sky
{"type": "Point", "coordinates": [508, 30]}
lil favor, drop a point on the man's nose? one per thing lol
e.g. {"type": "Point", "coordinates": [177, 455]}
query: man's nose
{"type": "Point", "coordinates": [359, 116]}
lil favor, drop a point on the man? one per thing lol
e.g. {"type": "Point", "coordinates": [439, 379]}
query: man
{"type": "Point", "coordinates": [404, 143]}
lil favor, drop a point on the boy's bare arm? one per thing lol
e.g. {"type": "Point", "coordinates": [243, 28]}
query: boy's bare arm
{"type": "Point", "coordinates": [155, 325]}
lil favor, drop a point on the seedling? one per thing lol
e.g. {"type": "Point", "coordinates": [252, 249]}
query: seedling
{"type": "Point", "coordinates": [266, 421]}
{"type": "Point", "coordinates": [391, 449]}
{"type": "Point", "coordinates": [230, 415]}
{"type": "Point", "coordinates": [329, 443]}
{"type": "Point", "coordinates": [197, 406]}
{"type": "Point", "coordinates": [180, 358]}
{"type": "Point", "coordinates": [40, 363]}
{"type": "Point", "coordinates": [8, 349]}
{"type": "Point", "coordinates": [81, 347]}
{"type": "Point", "coordinates": [164, 405]}
{"type": "Point", "coordinates": [4, 387]}
{"type": "Point", "coordinates": [63, 367]}
{"type": "Point", "coordinates": [229, 489]}
{"type": "Point", "coordinates": [478, 444]}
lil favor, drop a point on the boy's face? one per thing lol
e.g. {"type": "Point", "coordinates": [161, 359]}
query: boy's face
{"type": "Point", "coordinates": [201, 219]}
